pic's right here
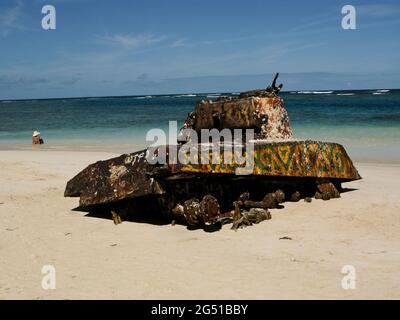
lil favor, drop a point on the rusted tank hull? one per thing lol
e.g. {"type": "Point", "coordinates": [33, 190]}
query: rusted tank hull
{"type": "Point", "coordinates": [290, 159]}
{"type": "Point", "coordinates": [108, 181]}
{"type": "Point", "coordinates": [235, 174]}
{"type": "Point", "coordinates": [287, 165]}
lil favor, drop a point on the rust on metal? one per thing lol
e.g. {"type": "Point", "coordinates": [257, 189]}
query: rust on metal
{"type": "Point", "coordinates": [289, 159]}
{"type": "Point", "coordinates": [127, 176]}
{"type": "Point", "coordinates": [211, 193]}
{"type": "Point", "coordinates": [266, 115]}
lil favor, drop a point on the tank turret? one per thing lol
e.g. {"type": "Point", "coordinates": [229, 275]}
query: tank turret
{"type": "Point", "coordinates": [260, 110]}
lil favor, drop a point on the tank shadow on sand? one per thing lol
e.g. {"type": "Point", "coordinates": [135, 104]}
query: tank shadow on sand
{"type": "Point", "coordinates": [344, 190]}
{"type": "Point", "coordinates": [163, 220]}
{"type": "Point", "coordinates": [138, 218]}
{"type": "Point", "coordinates": [152, 219]}
{"type": "Point", "coordinates": [157, 220]}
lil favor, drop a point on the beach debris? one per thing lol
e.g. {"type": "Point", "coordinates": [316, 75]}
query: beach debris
{"type": "Point", "coordinates": [327, 189]}
{"type": "Point", "coordinates": [203, 194]}
{"type": "Point", "coordinates": [248, 218]}
{"type": "Point", "coordinates": [271, 200]}
{"type": "Point", "coordinates": [116, 217]}
{"type": "Point", "coordinates": [285, 238]}
{"type": "Point", "coordinates": [197, 213]}
{"type": "Point", "coordinates": [295, 196]}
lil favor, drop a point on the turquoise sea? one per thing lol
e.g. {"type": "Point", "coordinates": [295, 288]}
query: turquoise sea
{"type": "Point", "coordinates": [366, 122]}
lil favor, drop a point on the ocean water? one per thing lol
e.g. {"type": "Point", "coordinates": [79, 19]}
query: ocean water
{"type": "Point", "coordinates": [366, 122]}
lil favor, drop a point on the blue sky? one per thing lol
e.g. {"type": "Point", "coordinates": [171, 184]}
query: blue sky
{"type": "Point", "coordinates": [147, 47]}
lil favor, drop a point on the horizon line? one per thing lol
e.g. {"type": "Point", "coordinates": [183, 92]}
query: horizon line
{"type": "Point", "coordinates": [188, 93]}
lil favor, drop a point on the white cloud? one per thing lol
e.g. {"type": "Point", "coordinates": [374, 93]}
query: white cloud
{"type": "Point", "coordinates": [179, 43]}
{"type": "Point", "coordinates": [131, 41]}
{"type": "Point", "coordinates": [9, 19]}
{"type": "Point", "coordinates": [378, 10]}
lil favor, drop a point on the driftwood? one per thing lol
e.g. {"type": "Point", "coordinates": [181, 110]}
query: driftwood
{"type": "Point", "coordinates": [248, 218]}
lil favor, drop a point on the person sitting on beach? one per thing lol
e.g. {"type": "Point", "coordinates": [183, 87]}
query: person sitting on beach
{"type": "Point", "coordinates": [36, 139]}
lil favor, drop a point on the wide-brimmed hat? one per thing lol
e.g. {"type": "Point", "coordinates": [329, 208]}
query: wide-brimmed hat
{"type": "Point", "coordinates": [35, 133]}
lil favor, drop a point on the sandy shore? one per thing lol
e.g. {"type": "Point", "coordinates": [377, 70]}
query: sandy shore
{"type": "Point", "coordinates": [95, 259]}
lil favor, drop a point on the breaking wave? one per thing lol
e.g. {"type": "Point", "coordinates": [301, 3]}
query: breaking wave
{"type": "Point", "coordinates": [315, 92]}
{"type": "Point", "coordinates": [186, 95]}
{"type": "Point", "coordinates": [322, 92]}
{"type": "Point", "coordinates": [143, 97]}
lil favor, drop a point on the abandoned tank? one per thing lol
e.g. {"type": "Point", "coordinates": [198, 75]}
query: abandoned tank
{"type": "Point", "coordinates": [234, 178]}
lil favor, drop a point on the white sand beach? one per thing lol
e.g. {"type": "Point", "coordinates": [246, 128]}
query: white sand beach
{"type": "Point", "coordinates": [95, 259]}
